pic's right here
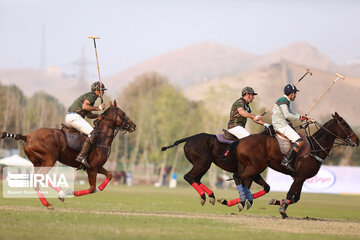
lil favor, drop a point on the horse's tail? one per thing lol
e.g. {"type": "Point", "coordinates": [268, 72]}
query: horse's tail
{"type": "Point", "coordinates": [175, 143]}
{"type": "Point", "coordinates": [15, 136]}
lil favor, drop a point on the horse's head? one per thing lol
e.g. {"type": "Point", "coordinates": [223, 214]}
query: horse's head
{"type": "Point", "coordinates": [118, 119]}
{"type": "Point", "coordinates": [344, 131]}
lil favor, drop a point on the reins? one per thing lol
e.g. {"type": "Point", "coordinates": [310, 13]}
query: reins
{"type": "Point", "coordinates": [306, 127]}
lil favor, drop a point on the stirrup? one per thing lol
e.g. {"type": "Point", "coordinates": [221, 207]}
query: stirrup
{"type": "Point", "coordinates": [286, 163]}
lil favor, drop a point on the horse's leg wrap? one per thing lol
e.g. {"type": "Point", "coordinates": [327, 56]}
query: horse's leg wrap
{"type": "Point", "coordinates": [248, 194]}
{"type": "Point", "coordinates": [58, 189]}
{"type": "Point", "coordinates": [259, 194]}
{"type": "Point", "coordinates": [208, 191]}
{"type": "Point", "coordinates": [198, 188]}
{"type": "Point", "coordinates": [42, 198]}
{"type": "Point", "coordinates": [103, 185]}
{"type": "Point", "coordinates": [82, 192]}
{"type": "Point", "coordinates": [241, 192]}
{"type": "Point", "coordinates": [283, 206]}
{"type": "Point", "coordinates": [233, 202]}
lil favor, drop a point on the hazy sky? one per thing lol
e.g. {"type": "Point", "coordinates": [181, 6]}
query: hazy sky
{"type": "Point", "coordinates": [136, 30]}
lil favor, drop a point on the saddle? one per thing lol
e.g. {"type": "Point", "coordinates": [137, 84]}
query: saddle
{"type": "Point", "coordinates": [285, 144]}
{"type": "Point", "coordinates": [74, 138]}
{"type": "Point", "coordinates": [226, 138]}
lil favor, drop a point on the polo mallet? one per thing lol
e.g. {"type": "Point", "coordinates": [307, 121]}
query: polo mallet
{"type": "Point", "coordinates": [307, 71]}
{"type": "Point", "coordinates": [332, 84]}
{"type": "Point", "coordinates": [97, 61]}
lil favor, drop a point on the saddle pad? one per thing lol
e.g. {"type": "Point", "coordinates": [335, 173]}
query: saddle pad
{"type": "Point", "coordinates": [222, 139]}
{"type": "Point", "coordinates": [73, 141]}
{"type": "Point", "coordinates": [285, 146]}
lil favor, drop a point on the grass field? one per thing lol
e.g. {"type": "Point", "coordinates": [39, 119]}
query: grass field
{"type": "Point", "coordinates": [146, 212]}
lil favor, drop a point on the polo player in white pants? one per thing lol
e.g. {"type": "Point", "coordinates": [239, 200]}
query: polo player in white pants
{"type": "Point", "coordinates": [240, 112]}
{"type": "Point", "coordinates": [82, 107]}
{"type": "Point", "coordinates": [281, 113]}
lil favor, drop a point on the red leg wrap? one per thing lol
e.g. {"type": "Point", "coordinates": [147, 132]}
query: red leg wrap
{"type": "Point", "coordinates": [42, 198]}
{"type": "Point", "coordinates": [203, 187]}
{"type": "Point", "coordinates": [55, 188]}
{"type": "Point", "coordinates": [259, 194]}
{"type": "Point", "coordinates": [198, 189]}
{"type": "Point", "coordinates": [233, 202]}
{"type": "Point", "coordinates": [82, 192]}
{"type": "Point", "coordinates": [103, 185]}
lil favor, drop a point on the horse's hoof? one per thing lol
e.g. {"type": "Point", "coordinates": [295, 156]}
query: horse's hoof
{"type": "Point", "coordinates": [61, 196]}
{"type": "Point", "coordinates": [249, 204]}
{"type": "Point", "coordinates": [50, 207]}
{"type": "Point", "coordinates": [212, 198]}
{"type": "Point", "coordinates": [272, 201]}
{"type": "Point", "coordinates": [241, 206]}
{"type": "Point", "coordinates": [222, 201]}
{"type": "Point", "coordinates": [69, 191]}
{"type": "Point", "coordinates": [203, 199]}
{"type": "Point", "coordinates": [283, 214]}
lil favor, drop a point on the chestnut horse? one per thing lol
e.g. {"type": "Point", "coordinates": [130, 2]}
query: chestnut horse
{"type": "Point", "coordinates": [256, 152]}
{"type": "Point", "coordinates": [45, 146]}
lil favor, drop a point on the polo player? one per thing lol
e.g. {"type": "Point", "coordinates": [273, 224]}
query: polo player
{"type": "Point", "coordinates": [240, 112]}
{"type": "Point", "coordinates": [83, 106]}
{"type": "Point", "coordinates": [281, 114]}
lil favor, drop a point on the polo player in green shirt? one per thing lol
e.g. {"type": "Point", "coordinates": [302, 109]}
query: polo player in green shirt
{"type": "Point", "coordinates": [241, 111]}
{"type": "Point", "coordinates": [82, 107]}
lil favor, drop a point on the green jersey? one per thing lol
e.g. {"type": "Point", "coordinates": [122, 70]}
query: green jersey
{"type": "Point", "coordinates": [235, 118]}
{"type": "Point", "coordinates": [77, 104]}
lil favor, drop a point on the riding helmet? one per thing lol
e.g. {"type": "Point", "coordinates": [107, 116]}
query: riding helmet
{"type": "Point", "coordinates": [248, 90]}
{"type": "Point", "coordinates": [289, 89]}
{"type": "Point", "coordinates": [96, 86]}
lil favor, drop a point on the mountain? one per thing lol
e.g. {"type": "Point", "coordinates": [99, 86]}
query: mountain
{"type": "Point", "coordinates": [65, 89]}
{"type": "Point", "coordinates": [204, 61]}
{"type": "Point", "coordinates": [269, 82]}
{"type": "Point", "coordinates": [300, 53]}
{"type": "Point", "coordinates": [189, 65]}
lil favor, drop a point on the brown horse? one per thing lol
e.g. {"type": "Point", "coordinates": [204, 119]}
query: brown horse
{"type": "Point", "coordinates": [202, 150]}
{"type": "Point", "coordinates": [45, 146]}
{"type": "Point", "coordinates": [256, 152]}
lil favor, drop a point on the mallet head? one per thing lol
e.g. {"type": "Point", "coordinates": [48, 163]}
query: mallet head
{"type": "Point", "coordinates": [93, 37]}
{"type": "Point", "coordinates": [308, 70]}
{"type": "Point", "coordinates": [340, 76]}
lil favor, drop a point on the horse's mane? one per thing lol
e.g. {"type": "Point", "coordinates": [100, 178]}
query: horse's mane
{"type": "Point", "coordinates": [96, 121]}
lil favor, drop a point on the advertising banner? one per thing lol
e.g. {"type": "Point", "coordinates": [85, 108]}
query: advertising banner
{"type": "Point", "coordinates": [329, 179]}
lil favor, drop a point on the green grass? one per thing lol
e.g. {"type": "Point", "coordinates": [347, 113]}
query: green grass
{"type": "Point", "coordinates": [146, 212]}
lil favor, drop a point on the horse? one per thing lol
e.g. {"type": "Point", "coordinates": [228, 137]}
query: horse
{"type": "Point", "coordinates": [257, 152]}
{"type": "Point", "coordinates": [45, 146]}
{"type": "Point", "coordinates": [202, 150]}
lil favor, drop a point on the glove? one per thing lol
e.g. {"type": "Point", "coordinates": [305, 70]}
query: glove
{"type": "Point", "coordinates": [257, 117]}
{"type": "Point", "coordinates": [309, 120]}
{"type": "Point", "coordinates": [266, 125]}
{"type": "Point", "coordinates": [303, 117]}
{"type": "Point", "coordinates": [102, 106]}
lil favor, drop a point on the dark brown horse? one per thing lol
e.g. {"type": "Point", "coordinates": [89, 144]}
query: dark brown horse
{"type": "Point", "coordinates": [45, 146]}
{"type": "Point", "coordinates": [202, 150]}
{"type": "Point", "coordinates": [256, 152]}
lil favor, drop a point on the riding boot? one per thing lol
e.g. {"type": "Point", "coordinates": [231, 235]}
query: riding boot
{"type": "Point", "coordinates": [81, 157]}
{"type": "Point", "coordinates": [286, 161]}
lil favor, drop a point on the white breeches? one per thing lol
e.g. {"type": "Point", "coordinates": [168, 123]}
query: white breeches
{"type": "Point", "coordinates": [239, 132]}
{"type": "Point", "coordinates": [289, 133]}
{"type": "Point", "coordinates": [76, 121]}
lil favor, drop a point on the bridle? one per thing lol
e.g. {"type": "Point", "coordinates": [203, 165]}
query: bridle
{"type": "Point", "coordinates": [125, 126]}
{"type": "Point", "coordinates": [345, 141]}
